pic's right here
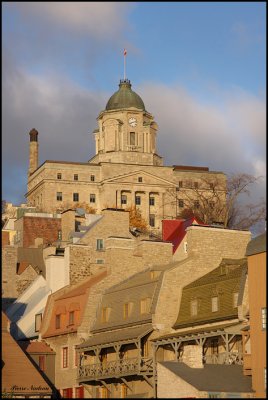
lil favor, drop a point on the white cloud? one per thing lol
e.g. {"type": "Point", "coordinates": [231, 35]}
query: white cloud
{"type": "Point", "coordinates": [102, 19]}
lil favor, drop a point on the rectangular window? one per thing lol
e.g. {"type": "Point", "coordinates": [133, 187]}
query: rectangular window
{"type": "Point", "coordinates": [67, 393]}
{"type": "Point", "coordinates": [38, 320]}
{"type": "Point", "coordinates": [99, 261]}
{"type": "Point", "coordinates": [64, 357]}
{"type": "Point", "coordinates": [126, 310]}
{"type": "Point", "coordinates": [123, 199]}
{"type": "Point", "coordinates": [196, 204]}
{"type": "Point", "coordinates": [71, 317]}
{"type": "Point", "coordinates": [138, 200]}
{"type": "Point", "coordinates": [145, 305]}
{"type": "Point", "coordinates": [100, 245]}
{"type": "Point", "coordinates": [58, 176]}
{"type": "Point", "coordinates": [151, 201]}
{"type": "Point", "coordinates": [75, 196]}
{"type": "Point", "coordinates": [152, 220]}
{"type": "Point", "coordinates": [263, 318]}
{"type": "Point", "coordinates": [105, 314]}
{"type": "Point", "coordinates": [180, 184]}
{"type": "Point", "coordinates": [75, 177]}
{"type": "Point", "coordinates": [181, 203]}
{"type": "Point", "coordinates": [59, 235]}
{"type": "Point", "coordinates": [132, 138]}
{"type": "Point", "coordinates": [235, 299]}
{"type": "Point", "coordinates": [215, 304]}
{"type": "Point", "coordinates": [194, 307]}
{"type": "Point", "coordinates": [57, 321]}
{"type": "Point", "coordinates": [140, 179]}
{"type": "Point", "coordinates": [41, 362]}
{"type": "Point", "coordinates": [59, 196]}
{"type": "Point", "coordinates": [92, 178]}
{"type": "Point", "coordinates": [92, 198]}
{"type": "Point", "coordinates": [79, 392]}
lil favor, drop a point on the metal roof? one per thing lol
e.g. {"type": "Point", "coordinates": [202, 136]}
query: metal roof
{"type": "Point", "coordinates": [125, 98]}
{"type": "Point", "coordinates": [257, 245]}
{"type": "Point", "coordinates": [213, 377]}
{"type": "Point", "coordinates": [120, 335]}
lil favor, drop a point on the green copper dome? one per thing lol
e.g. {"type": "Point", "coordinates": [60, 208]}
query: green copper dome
{"type": "Point", "coordinates": [125, 98]}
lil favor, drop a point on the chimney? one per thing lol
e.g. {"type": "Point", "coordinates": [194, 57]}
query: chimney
{"type": "Point", "coordinates": [67, 223]}
{"type": "Point", "coordinates": [193, 356]}
{"type": "Point", "coordinates": [33, 159]}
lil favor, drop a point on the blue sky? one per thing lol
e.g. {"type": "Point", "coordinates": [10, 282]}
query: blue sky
{"type": "Point", "coordinates": [199, 67]}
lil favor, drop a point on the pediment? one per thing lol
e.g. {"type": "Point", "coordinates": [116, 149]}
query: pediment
{"type": "Point", "coordinates": [147, 179]}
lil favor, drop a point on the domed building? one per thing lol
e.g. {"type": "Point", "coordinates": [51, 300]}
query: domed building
{"type": "Point", "coordinates": [125, 172]}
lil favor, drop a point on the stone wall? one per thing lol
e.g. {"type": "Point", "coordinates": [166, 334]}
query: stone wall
{"type": "Point", "coordinates": [9, 265]}
{"type": "Point", "coordinates": [38, 227]}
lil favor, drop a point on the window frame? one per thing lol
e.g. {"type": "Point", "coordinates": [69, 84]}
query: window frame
{"type": "Point", "coordinates": [123, 199]}
{"type": "Point", "coordinates": [140, 179]}
{"type": "Point", "coordinates": [152, 201]}
{"type": "Point", "coordinates": [35, 322]}
{"type": "Point", "coordinates": [92, 198]}
{"type": "Point", "coordinates": [57, 321]}
{"type": "Point", "coordinates": [214, 304]}
{"type": "Point", "coordinates": [71, 320]}
{"type": "Point", "coordinates": [152, 219]}
{"type": "Point", "coordinates": [59, 175]}
{"type": "Point", "coordinates": [194, 307]}
{"type": "Point", "coordinates": [92, 178]}
{"type": "Point", "coordinates": [75, 195]}
{"type": "Point", "coordinates": [181, 203]}
{"type": "Point", "coordinates": [137, 200]}
{"type": "Point", "coordinates": [263, 318]}
{"type": "Point", "coordinates": [99, 244]}
{"type": "Point", "coordinates": [59, 196]}
{"type": "Point", "coordinates": [65, 357]}
{"type": "Point", "coordinates": [76, 177]}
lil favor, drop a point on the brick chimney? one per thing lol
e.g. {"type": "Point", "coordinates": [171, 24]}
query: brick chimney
{"type": "Point", "coordinates": [192, 356]}
{"type": "Point", "coordinates": [33, 157]}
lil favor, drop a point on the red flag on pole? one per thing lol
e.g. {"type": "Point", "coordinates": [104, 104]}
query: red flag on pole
{"type": "Point", "coordinates": [125, 52]}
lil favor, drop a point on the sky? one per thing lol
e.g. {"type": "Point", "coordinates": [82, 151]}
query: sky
{"type": "Point", "coordinates": [200, 68]}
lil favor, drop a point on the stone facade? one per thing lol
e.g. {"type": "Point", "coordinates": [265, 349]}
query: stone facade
{"type": "Point", "coordinates": [126, 171]}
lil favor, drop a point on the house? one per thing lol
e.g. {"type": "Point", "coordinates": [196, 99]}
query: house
{"type": "Point", "coordinates": [62, 317]}
{"type": "Point", "coordinates": [254, 335]}
{"type": "Point", "coordinates": [20, 377]}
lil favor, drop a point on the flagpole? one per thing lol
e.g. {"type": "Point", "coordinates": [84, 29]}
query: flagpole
{"type": "Point", "coordinates": [125, 53]}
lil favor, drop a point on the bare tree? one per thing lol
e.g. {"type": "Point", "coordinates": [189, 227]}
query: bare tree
{"type": "Point", "coordinates": [214, 202]}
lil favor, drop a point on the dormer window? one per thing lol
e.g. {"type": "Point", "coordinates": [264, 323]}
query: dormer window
{"type": "Point", "coordinates": [194, 307]}
{"type": "Point", "coordinates": [215, 304]}
{"type": "Point", "coordinates": [105, 314]}
{"type": "Point", "coordinates": [145, 305]}
{"type": "Point", "coordinates": [57, 321]}
{"type": "Point", "coordinates": [38, 320]}
{"type": "Point", "coordinates": [71, 317]}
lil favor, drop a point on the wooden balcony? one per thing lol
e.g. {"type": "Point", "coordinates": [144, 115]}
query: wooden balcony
{"type": "Point", "coordinates": [115, 369]}
{"type": "Point", "coordinates": [224, 358]}
{"type": "Point", "coordinates": [247, 364]}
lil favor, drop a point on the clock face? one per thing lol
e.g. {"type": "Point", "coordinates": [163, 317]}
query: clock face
{"type": "Point", "coordinates": [132, 121]}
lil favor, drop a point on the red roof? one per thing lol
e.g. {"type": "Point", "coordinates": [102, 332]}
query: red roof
{"type": "Point", "coordinates": [36, 347]}
{"type": "Point", "coordinates": [174, 230]}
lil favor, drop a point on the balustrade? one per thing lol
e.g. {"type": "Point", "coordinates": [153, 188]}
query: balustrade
{"type": "Point", "coordinates": [115, 368]}
{"type": "Point", "coordinates": [224, 358]}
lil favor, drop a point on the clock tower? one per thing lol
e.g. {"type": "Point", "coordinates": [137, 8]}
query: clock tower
{"type": "Point", "coordinates": [126, 132]}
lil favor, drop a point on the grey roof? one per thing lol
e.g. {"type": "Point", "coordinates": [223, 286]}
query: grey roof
{"type": "Point", "coordinates": [121, 335]}
{"type": "Point", "coordinates": [213, 377]}
{"type": "Point", "coordinates": [132, 290]}
{"type": "Point", "coordinates": [257, 245]}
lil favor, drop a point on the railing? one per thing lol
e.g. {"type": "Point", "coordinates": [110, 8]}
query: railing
{"type": "Point", "coordinates": [115, 368]}
{"type": "Point", "coordinates": [224, 358]}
